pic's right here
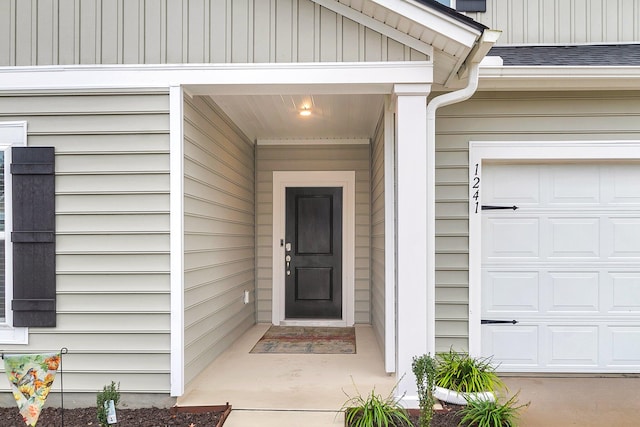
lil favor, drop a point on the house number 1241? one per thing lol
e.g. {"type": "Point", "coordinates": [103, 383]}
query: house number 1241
{"type": "Point", "coordinates": [476, 187]}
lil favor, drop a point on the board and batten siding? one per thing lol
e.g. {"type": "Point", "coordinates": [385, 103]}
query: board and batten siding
{"type": "Point", "coordinates": [62, 32]}
{"type": "Point", "coordinates": [112, 237]}
{"type": "Point", "coordinates": [219, 230]}
{"type": "Point", "coordinates": [562, 21]}
{"type": "Point", "coordinates": [559, 116]}
{"type": "Point", "coordinates": [378, 234]}
{"type": "Point", "coordinates": [270, 158]}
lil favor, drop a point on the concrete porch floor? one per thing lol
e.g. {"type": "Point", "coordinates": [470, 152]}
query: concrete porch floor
{"type": "Point", "coordinates": [289, 389]}
{"type": "Point", "coordinates": [307, 390]}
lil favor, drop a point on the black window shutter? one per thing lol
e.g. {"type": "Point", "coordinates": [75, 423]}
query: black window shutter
{"type": "Point", "coordinates": [471, 5]}
{"type": "Point", "coordinates": [33, 236]}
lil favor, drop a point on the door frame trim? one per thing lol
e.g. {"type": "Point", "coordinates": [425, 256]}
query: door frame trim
{"type": "Point", "coordinates": [480, 151]}
{"type": "Point", "coordinates": [344, 179]}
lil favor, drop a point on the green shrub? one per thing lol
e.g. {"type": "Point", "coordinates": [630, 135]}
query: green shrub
{"type": "Point", "coordinates": [424, 369]}
{"type": "Point", "coordinates": [464, 374]}
{"type": "Point", "coordinates": [110, 392]}
{"type": "Point", "coordinates": [483, 413]}
{"type": "Point", "coordinates": [375, 411]}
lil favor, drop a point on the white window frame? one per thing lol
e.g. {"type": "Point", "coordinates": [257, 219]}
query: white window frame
{"type": "Point", "coordinates": [12, 134]}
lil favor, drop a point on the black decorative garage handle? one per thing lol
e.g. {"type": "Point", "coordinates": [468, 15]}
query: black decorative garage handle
{"type": "Point", "coordinates": [495, 208]}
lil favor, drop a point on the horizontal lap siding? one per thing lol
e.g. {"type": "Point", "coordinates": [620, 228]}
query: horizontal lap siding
{"type": "Point", "coordinates": [52, 32]}
{"type": "Point", "coordinates": [563, 21]}
{"type": "Point", "coordinates": [112, 237]}
{"type": "Point", "coordinates": [312, 158]}
{"type": "Point", "coordinates": [512, 117]}
{"type": "Point", "coordinates": [219, 234]}
{"type": "Point", "coordinates": [377, 235]}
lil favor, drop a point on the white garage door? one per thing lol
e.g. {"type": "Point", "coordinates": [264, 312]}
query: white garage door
{"type": "Point", "coordinates": [565, 265]}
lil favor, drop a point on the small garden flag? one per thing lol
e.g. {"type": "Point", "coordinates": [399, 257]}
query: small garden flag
{"type": "Point", "coordinates": [31, 377]}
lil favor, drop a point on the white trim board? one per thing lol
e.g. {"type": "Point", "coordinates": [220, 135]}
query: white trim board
{"type": "Point", "coordinates": [176, 160]}
{"type": "Point", "coordinates": [539, 151]}
{"type": "Point", "coordinates": [344, 179]}
{"type": "Point", "coordinates": [12, 134]}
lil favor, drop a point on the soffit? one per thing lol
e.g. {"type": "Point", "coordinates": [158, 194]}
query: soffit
{"type": "Point", "coordinates": [442, 33]}
{"type": "Point", "coordinates": [425, 25]}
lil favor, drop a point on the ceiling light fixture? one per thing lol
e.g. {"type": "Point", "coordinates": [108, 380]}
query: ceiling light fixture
{"type": "Point", "coordinates": [305, 112]}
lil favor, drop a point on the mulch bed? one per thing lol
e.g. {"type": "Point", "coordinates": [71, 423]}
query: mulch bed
{"type": "Point", "coordinates": [144, 417]}
{"type": "Point", "coordinates": [450, 416]}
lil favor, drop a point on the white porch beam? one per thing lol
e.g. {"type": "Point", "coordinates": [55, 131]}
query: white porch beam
{"type": "Point", "coordinates": [411, 142]}
{"type": "Point", "coordinates": [223, 79]}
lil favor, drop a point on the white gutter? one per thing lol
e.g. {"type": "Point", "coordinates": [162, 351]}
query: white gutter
{"type": "Point", "coordinates": [472, 66]}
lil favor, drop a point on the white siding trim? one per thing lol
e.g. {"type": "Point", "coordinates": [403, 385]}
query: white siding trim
{"type": "Point", "coordinates": [177, 238]}
{"type": "Point", "coordinates": [11, 134]}
{"type": "Point", "coordinates": [344, 179]}
{"type": "Point", "coordinates": [389, 237]}
{"type": "Point", "coordinates": [526, 150]}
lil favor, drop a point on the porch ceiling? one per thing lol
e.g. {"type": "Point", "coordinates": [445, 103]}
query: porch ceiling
{"type": "Point", "coordinates": [269, 117]}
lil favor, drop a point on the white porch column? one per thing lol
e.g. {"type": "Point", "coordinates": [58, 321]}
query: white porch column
{"type": "Point", "coordinates": [411, 143]}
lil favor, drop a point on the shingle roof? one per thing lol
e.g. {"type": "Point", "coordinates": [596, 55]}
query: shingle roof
{"type": "Point", "coordinates": [574, 55]}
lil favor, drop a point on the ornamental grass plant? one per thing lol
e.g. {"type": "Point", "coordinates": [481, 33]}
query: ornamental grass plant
{"type": "Point", "coordinates": [375, 411]}
{"type": "Point", "coordinates": [465, 374]}
{"type": "Point", "coordinates": [484, 413]}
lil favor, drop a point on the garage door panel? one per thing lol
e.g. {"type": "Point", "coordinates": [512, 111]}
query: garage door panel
{"type": "Point", "coordinates": [512, 347]}
{"type": "Point", "coordinates": [511, 292]}
{"type": "Point", "coordinates": [625, 345]}
{"type": "Point", "coordinates": [624, 292]}
{"type": "Point", "coordinates": [574, 291]}
{"type": "Point", "coordinates": [574, 185]}
{"type": "Point", "coordinates": [500, 187]}
{"type": "Point", "coordinates": [574, 237]}
{"type": "Point", "coordinates": [626, 237]}
{"type": "Point", "coordinates": [514, 238]}
{"type": "Point", "coordinates": [573, 345]}
{"type": "Point", "coordinates": [624, 188]}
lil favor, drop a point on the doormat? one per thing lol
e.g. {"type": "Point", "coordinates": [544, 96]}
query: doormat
{"type": "Point", "coordinates": [307, 340]}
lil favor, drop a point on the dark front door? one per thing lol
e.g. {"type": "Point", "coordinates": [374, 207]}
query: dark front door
{"type": "Point", "coordinates": [313, 251]}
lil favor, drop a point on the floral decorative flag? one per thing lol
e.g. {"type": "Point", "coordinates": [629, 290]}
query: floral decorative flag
{"type": "Point", "coordinates": [31, 377]}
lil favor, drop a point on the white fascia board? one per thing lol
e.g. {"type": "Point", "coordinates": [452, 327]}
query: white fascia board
{"type": "Point", "coordinates": [433, 19]}
{"type": "Point", "coordinates": [223, 79]}
{"type": "Point", "coordinates": [378, 26]}
{"type": "Point", "coordinates": [559, 78]}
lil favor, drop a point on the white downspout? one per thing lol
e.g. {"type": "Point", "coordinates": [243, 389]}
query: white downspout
{"type": "Point", "coordinates": [472, 65]}
{"type": "Point", "coordinates": [437, 102]}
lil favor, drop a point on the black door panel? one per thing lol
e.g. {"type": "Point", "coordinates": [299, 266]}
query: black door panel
{"type": "Point", "coordinates": [313, 279]}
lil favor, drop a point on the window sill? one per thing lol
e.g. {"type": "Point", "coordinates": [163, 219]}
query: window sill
{"type": "Point", "coordinates": [11, 335]}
